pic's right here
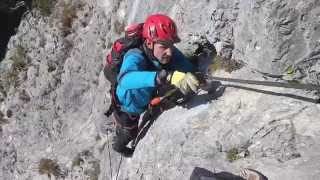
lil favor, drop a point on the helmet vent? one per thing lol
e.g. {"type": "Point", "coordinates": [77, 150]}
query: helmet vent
{"type": "Point", "coordinates": [153, 32]}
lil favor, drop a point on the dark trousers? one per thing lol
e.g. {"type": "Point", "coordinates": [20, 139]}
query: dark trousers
{"type": "Point", "coordinates": [126, 131]}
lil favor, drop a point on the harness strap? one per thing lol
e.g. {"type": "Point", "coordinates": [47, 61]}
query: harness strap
{"type": "Point", "coordinates": [125, 120]}
{"type": "Point", "coordinates": [114, 109]}
{"type": "Point", "coordinates": [114, 102]}
{"type": "Point", "coordinates": [117, 123]}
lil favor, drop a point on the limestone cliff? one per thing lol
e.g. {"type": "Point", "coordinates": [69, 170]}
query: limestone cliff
{"type": "Point", "coordinates": [53, 93]}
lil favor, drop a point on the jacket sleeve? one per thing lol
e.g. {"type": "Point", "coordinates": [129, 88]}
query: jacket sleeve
{"type": "Point", "coordinates": [132, 74]}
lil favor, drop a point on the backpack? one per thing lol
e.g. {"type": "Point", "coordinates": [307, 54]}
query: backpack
{"type": "Point", "coordinates": [132, 39]}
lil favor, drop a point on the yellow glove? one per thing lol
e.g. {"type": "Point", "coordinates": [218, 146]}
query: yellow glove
{"type": "Point", "coordinates": [186, 82]}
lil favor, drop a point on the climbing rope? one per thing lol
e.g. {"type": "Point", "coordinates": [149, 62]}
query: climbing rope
{"type": "Point", "coordinates": [269, 83]}
{"type": "Point", "coordinates": [119, 167]}
{"type": "Point", "coordinates": [108, 144]}
{"type": "Point", "coordinates": [110, 164]}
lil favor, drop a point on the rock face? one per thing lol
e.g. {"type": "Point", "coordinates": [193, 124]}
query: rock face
{"type": "Point", "coordinates": [53, 93]}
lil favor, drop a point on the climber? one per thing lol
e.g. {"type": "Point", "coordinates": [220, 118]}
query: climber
{"type": "Point", "coordinates": [145, 70]}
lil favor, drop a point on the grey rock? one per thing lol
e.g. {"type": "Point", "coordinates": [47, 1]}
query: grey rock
{"type": "Point", "coordinates": [52, 105]}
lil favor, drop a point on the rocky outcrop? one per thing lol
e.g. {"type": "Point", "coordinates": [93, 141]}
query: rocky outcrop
{"type": "Point", "coordinates": [49, 76]}
{"type": "Point", "coordinates": [280, 35]}
{"type": "Point", "coordinates": [53, 93]}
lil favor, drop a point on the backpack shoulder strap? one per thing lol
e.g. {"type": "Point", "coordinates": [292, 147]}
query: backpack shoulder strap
{"type": "Point", "coordinates": [136, 50]}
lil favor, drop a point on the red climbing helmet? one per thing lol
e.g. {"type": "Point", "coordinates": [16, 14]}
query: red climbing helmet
{"type": "Point", "coordinates": [160, 28]}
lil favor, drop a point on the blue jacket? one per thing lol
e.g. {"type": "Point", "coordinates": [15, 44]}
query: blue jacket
{"type": "Point", "coordinates": [137, 79]}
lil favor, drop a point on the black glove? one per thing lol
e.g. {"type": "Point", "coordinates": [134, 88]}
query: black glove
{"type": "Point", "coordinates": [162, 77]}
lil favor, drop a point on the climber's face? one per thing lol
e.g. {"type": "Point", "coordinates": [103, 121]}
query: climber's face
{"type": "Point", "coordinates": [163, 52]}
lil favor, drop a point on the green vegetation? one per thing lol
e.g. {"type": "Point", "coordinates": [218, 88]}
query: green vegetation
{"type": "Point", "coordinates": [86, 157]}
{"type": "Point", "coordinates": [232, 154]}
{"type": "Point", "coordinates": [69, 13]}
{"type": "Point", "coordinates": [44, 6]}
{"type": "Point", "coordinates": [19, 59]}
{"type": "Point", "coordinates": [77, 161]}
{"type": "Point", "coordinates": [221, 63]}
{"type": "Point", "coordinates": [49, 167]}
{"type": "Point", "coordinates": [2, 119]}
{"type": "Point", "coordinates": [19, 64]}
{"type": "Point", "coordinates": [95, 171]}
{"type": "Point", "coordinates": [119, 27]}
{"type": "Point", "coordinates": [290, 70]}
{"type": "Point", "coordinates": [3, 92]}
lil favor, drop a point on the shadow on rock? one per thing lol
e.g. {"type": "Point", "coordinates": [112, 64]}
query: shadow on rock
{"type": "Point", "coordinates": [147, 120]}
{"type": "Point", "coordinates": [214, 90]}
{"type": "Point", "coordinates": [201, 173]}
{"type": "Point", "coordinates": [245, 174]}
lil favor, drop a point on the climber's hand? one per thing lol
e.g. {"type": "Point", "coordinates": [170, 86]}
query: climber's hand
{"type": "Point", "coordinates": [185, 82]}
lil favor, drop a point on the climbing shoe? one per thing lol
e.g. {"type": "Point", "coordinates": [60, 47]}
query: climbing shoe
{"type": "Point", "coordinates": [127, 152]}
